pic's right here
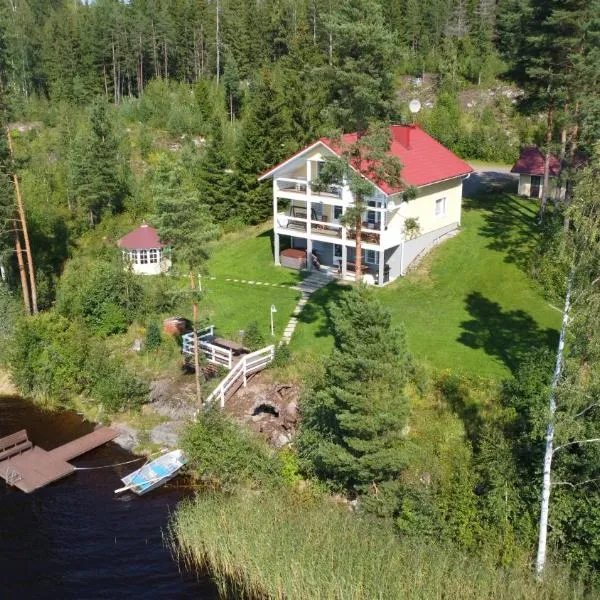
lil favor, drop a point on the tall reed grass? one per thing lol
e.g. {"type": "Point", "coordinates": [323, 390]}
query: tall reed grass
{"type": "Point", "coordinates": [282, 546]}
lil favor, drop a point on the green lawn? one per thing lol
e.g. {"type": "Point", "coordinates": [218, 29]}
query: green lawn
{"type": "Point", "coordinates": [231, 306]}
{"type": "Point", "coordinates": [470, 306]}
{"type": "Point", "coordinates": [248, 254]}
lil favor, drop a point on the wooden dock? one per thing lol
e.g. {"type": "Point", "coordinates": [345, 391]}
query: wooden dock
{"type": "Point", "coordinates": [29, 467]}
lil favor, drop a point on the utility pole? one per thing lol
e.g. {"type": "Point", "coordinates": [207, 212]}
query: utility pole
{"type": "Point", "coordinates": [22, 274]}
{"type": "Point", "coordinates": [195, 338]}
{"type": "Point", "coordinates": [23, 220]}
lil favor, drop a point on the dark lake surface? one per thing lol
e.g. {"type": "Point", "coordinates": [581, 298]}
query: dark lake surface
{"type": "Point", "coordinates": [75, 539]}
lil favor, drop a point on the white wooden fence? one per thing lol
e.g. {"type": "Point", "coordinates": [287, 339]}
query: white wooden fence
{"type": "Point", "coordinates": [249, 364]}
{"type": "Point", "coordinates": [216, 355]}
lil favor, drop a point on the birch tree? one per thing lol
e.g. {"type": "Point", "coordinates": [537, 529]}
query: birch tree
{"type": "Point", "coordinates": [573, 417]}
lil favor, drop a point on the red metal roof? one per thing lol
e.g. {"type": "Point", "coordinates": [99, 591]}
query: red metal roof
{"type": "Point", "coordinates": [531, 162]}
{"type": "Point", "coordinates": [142, 238]}
{"type": "Point", "coordinates": [424, 160]}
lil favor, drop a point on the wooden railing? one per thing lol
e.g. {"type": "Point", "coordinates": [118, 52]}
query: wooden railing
{"type": "Point", "coordinates": [249, 364]}
{"type": "Point", "coordinates": [216, 355]}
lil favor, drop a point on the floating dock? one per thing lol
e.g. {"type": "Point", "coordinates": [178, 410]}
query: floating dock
{"type": "Point", "coordinates": [29, 467]}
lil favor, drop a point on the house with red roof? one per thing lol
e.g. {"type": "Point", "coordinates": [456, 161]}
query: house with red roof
{"type": "Point", "coordinates": [530, 168]}
{"type": "Point", "coordinates": [144, 252]}
{"type": "Point", "coordinates": [396, 230]}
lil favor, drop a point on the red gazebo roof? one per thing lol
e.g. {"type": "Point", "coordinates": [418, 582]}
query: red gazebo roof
{"type": "Point", "coordinates": [142, 238]}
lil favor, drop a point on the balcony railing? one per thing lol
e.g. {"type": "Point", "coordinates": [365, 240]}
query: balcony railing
{"type": "Point", "coordinates": [300, 186]}
{"type": "Point", "coordinates": [292, 185]}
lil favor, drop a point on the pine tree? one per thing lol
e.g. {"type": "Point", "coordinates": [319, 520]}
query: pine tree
{"type": "Point", "coordinates": [360, 80]}
{"type": "Point", "coordinates": [359, 162]}
{"type": "Point", "coordinates": [353, 421]}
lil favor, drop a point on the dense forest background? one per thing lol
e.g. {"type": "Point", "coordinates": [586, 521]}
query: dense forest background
{"type": "Point", "coordinates": [167, 110]}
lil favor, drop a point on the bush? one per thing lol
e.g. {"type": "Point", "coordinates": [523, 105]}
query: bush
{"type": "Point", "coordinates": [153, 337]}
{"type": "Point", "coordinates": [53, 358]}
{"type": "Point", "coordinates": [103, 294]}
{"type": "Point", "coordinates": [253, 338]}
{"type": "Point", "coordinates": [283, 355]}
{"type": "Point", "coordinates": [111, 383]}
{"type": "Point", "coordinates": [223, 452]}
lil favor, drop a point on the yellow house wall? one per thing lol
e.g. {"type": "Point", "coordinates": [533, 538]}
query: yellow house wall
{"type": "Point", "coordinates": [423, 208]}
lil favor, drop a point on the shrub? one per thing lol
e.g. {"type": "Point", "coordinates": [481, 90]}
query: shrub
{"type": "Point", "coordinates": [223, 452]}
{"type": "Point", "coordinates": [283, 355]}
{"type": "Point", "coordinates": [153, 337]}
{"type": "Point", "coordinates": [253, 338]}
{"type": "Point", "coordinates": [112, 384]}
{"type": "Point", "coordinates": [103, 294]}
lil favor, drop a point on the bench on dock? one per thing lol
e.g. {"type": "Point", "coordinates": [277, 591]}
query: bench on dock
{"type": "Point", "coordinates": [14, 444]}
{"type": "Point", "coordinates": [29, 467]}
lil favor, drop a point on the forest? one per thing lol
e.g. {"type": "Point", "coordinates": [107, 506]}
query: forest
{"type": "Point", "coordinates": [117, 112]}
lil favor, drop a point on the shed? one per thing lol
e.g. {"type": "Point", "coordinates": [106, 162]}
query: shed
{"type": "Point", "coordinates": [143, 250]}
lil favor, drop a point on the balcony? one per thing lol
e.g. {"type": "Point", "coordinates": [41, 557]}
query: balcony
{"type": "Point", "coordinates": [299, 186]}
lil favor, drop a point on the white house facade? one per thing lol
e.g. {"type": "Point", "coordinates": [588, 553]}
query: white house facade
{"type": "Point", "coordinates": [143, 251]}
{"type": "Point", "coordinates": [395, 231]}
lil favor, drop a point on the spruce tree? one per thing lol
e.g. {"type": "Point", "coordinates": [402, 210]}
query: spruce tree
{"type": "Point", "coordinates": [352, 431]}
{"type": "Point", "coordinates": [216, 179]}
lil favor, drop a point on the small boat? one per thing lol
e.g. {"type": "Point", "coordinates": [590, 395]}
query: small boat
{"type": "Point", "coordinates": [154, 474]}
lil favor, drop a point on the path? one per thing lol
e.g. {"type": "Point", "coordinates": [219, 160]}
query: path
{"type": "Point", "coordinates": [488, 177]}
{"type": "Point", "coordinates": [315, 281]}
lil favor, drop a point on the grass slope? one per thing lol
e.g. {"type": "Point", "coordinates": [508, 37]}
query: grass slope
{"type": "Point", "coordinates": [248, 254]}
{"type": "Point", "coordinates": [470, 306]}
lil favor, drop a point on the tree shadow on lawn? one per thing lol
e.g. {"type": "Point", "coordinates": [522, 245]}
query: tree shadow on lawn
{"type": "Point", "coordinates": [510, 224]}
{"type": "Point", "coordinates": [317, 308]}
{"type": "Point", "coordinates": [507, 335]}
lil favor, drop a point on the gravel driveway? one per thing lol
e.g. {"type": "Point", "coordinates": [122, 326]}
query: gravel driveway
{"type": "Point", "coordinates": [490, 177]}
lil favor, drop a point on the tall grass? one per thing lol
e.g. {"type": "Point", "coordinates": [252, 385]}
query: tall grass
{"type": "Point", "coordinates": [282, 546]}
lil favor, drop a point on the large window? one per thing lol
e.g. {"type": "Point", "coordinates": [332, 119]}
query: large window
{"type": "Point", "coordinates": [337, 251]}
{"type": "Point", "coordinates": [143, 257]}
{"type": "Point", "coordinates": [153, 256]}
{"type": "Point", "coordinates": [440, 207]}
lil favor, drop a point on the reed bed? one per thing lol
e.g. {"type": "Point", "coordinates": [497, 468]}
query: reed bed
{"type": "Point", "coordinates": [284, 547]}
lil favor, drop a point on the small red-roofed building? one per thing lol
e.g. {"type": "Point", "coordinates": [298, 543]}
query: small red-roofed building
{"type": "Point", "coordinates": [530, 168]}
{"type": "Point", "coordinates": [396, 230]}
{"type": "Point", "coordinates": [144, 251]}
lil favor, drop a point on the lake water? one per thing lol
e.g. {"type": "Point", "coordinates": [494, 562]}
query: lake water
{"type": "Point", "coordinates": [75, 539]}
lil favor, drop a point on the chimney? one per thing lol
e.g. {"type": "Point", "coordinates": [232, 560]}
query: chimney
{"type": "Point", "coordinates": [403, 134]}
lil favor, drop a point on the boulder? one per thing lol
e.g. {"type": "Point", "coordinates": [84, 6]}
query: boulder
{"type": "Point", "coordinates": [128, 436]}
{"type": "Point", "coordinates": [167, 434]}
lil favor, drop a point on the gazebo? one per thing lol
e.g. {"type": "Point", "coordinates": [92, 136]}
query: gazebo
{"type": "Point", "coordinates": [143, 250]}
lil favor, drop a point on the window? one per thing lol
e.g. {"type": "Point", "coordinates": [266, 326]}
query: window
{"type": "Point", "coordinates": [337, 212]}
{"type": "Point", "coordinates": [337, 251]}
{"type": "Point", "coordinates": [370, 257]}
{"type": "Point", "coordinates": [143, 257]}
{"type": "Point", "coordinates": [133, 257]}
{"type": "Point", "coordinates": [153, 256]}
{"type": "Point", "coordinates": [440, 207]}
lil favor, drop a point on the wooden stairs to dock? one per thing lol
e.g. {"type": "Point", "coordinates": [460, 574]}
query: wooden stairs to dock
{"type": "Point", "coordinates": [28, 467]}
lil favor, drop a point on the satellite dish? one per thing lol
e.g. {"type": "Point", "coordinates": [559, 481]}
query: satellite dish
{"type": "Point", "coordinates": [391, 205]}
{"type": "Point", "coordinates": [414, 106]}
